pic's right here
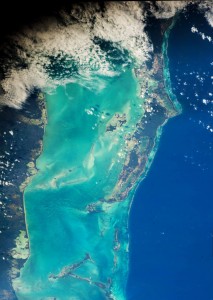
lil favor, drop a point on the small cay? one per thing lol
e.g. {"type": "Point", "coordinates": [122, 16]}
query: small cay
{"type": "Point", "coordinates": [98, 145]}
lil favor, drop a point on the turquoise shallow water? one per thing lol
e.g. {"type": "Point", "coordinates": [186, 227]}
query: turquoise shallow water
{"type": "Point", "coordinates": [99, 143]}
{"type": "Point", "coordinates": [79, 165]}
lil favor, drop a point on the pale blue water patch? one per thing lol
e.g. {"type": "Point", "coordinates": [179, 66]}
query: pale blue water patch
{"type": "Point", "coordinates": [78, 167]}
{"type": "Point", "coordinates": [77, 227]}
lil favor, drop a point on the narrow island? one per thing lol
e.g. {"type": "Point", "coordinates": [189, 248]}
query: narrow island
{"type": "Point", "coordinates": [97, 148]}
{"type": "Point", "coordinates": [78, 155]}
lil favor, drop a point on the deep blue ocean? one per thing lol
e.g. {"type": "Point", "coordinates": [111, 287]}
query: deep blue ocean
{"type": "Point", "coordinates": [171, 220]}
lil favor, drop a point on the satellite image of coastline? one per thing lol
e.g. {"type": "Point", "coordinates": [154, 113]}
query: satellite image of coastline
{"type": "Point", "coordinates": [106, 140]}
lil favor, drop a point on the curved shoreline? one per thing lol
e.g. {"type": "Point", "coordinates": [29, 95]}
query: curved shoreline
{"type": "Point", "coordinates": [21, 133]}
{"type": "Point", "coordinates": [177, 107]}
{"type": "Point", "coordinates": [167, 79]}
{"type": "Point", "coordinates": [32, 170]}
{"type": "Point", "coordinates": [131, 176]}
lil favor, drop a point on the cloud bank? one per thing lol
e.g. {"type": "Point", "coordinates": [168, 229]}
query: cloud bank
{"type": "Point", "coordinates": [75, 45]}
{"type": "Point", "coordinates": [72, 43]}
{"type": "Point", "coordinates": [167, 9]}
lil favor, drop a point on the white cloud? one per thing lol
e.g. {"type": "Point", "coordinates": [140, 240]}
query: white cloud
{"type": "Point", "coordinates": [203, 36]}
{"type": "Point", "coordinates": [207, 7]}
{"type": "Point", "coordinates": [122, 23]}
{"type": "Point", "coordinates": [167, 9]}
{"type": "Point", "coordinates": [194, 29]}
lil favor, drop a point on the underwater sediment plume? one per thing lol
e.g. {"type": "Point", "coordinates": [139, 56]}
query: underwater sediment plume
{"type": "Point", "coordinates": [103, 72]}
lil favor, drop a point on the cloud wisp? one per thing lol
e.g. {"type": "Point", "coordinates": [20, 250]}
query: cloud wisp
{"type": "Point", "coordinates": [74, 46]}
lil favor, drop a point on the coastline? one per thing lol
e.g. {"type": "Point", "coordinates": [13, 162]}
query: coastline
{"type": "Point", "coordinates": [21, 133]}
{"type": "Point", "coordinates": [173, 100]}
{"type": "Point", "coordinates": [167, 79]}
{"type": "Point", "coordinates": [172, 108]}
{"type": "Point", "coordinates": [141, 146]}
{"type": "Point", "coordinates": [171, 204]}
{"type": "Point", "coordinates": [159, 130]}
{"type": "Point", "coordinates": [32, 170]}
